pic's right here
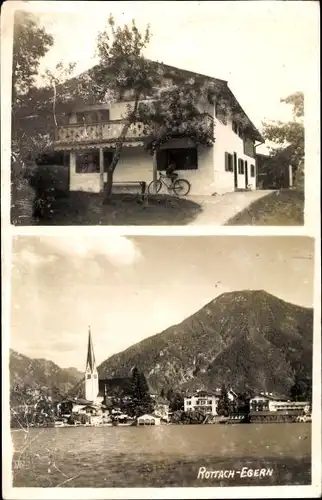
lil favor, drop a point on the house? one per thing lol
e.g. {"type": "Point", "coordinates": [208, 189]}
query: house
{"type": "Point", "coordinates": [269, 402]}
{"type": "Point", "coordinates": [149, 420]}
{"type": "Point", "coordinates": [206, 402]}
{"type": "Point", "coordinates": [88, 140]}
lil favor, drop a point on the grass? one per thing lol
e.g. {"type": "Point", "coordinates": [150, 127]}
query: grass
{"type": "Point", "coordinates": [80, 208]}
{"type": "Point", "coordinates": [280, 208]}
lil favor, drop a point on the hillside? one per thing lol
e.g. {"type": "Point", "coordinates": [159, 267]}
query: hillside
{"type": "Point", "coordinates": [41, 374]}
{"type": "Point", "coordinates": [247, 339]}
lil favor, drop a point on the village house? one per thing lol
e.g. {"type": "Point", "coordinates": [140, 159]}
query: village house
{"type": "Point", "coordinates": [269, 402]}
{"type": "Point", "coordinates": [87, 141]}
{"type": "Point", "coordinates": [205, 401]}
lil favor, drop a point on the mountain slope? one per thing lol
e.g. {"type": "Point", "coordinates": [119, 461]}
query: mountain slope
{"type": "Point", "coordinates": [246, 339]}
{"type": "Point", "coordinates": [41, 373]}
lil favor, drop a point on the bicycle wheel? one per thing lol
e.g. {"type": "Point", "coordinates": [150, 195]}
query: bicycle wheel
{"type": "Point", "coordinates": [158, 186]}
{"type": "Point", "coordinates": [181, 187]}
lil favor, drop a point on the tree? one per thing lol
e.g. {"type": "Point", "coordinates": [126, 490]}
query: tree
{"type": "Point", "coordinates": [123, 73]}
{"type": "Point", "coordinates": [301, 390]}
{"type": "Point", "coordinates": [223, 405]}
{"type": "Point", "coordinates": [289, 135]}
{"type": "Point", "coordinates": [141, 400]}
{"type": "Point", "coordinates": [177, 402]}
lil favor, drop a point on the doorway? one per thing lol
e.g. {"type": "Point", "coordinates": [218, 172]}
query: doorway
{"type": "Point", "coordinates": [246, 175]}
{"type": "Point", "coordinates": [235, 172]}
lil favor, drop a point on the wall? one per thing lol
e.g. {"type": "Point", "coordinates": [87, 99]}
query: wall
{"type": "Point", "coordinates": [194, 399]}
{"type": "Point", "coordinates": [136, 164]}
{"type": "Point", "coordinates": [228, 141]}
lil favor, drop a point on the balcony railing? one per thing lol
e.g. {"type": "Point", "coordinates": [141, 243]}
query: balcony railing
{"type": "Point", "coordinates": [97, 132]}
{"type": "Point", "coordinates": [106, 132]}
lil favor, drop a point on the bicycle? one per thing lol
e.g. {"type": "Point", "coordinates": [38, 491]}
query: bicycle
{"type": "Point", "coordinates": [178, 186]}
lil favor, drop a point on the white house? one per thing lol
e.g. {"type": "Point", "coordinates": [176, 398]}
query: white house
{"type": "Point", "coordinates": [149, 420]}
{"type": "Point", "coordinates": [205, 401]}
{"type": "Point", "coordinates": [229, 164]}
{"type": "Point", "coordinates": [273, 403]}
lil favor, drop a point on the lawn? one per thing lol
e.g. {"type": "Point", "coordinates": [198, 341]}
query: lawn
{"type": "Point", "coordinates": [80, 208]}
{"type": "Point", "coordinates": [280, 208]}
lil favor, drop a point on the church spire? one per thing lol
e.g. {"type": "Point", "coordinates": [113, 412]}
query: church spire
{"type": "Point", "coordinates": [91, 375]}
{"type": "Point", "coordinates": [90, 362]}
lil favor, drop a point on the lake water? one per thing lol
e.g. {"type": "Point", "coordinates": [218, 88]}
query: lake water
{"type": "Point", "coordinates": [162, 456]}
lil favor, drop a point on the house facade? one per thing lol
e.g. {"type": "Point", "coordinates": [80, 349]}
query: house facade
{"type": "Point", "coordinates": [269, 402]}
{"type": "Point", "coordinates": [90, 137]}
{"type": "Point", "coordinates": [206, 402]}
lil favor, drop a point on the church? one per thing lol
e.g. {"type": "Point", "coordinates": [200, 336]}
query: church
{"type": "Point", "coordinates": [94, 394]}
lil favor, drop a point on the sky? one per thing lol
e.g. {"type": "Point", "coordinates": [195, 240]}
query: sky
{"type": "Point", "coordinates": [129, 288]}
{"type": "Point", "coordinates": [266, 50]}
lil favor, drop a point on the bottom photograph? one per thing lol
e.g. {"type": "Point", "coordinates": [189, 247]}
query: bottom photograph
{"type": "Point", "coordinates": [161, 361]}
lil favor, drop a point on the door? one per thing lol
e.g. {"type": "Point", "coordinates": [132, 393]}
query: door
{"type": "Point", "coordinates": [235, 172]}
{"type": "Point", "coordinates": [246, 175]}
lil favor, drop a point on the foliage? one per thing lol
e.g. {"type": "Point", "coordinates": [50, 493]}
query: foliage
{"type": "Point", "coordinates": [290, 133]}
{"type": "Point", "coordinates": [30, 44]}
{"type": "Point", "coordinates": [124, 73]}
{"type": "Point", "coordinates": [223, 405]}
{"type": "Point", "coordinates": [301, 390]}
{"type": "Point", "coordinates": [141, 401]}
{"type": "Point", "coordinates": [31, 406]}
{"type": "Point", "coordinates": [176, 402]}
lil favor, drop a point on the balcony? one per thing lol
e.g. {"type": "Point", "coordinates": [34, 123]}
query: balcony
{"type": "Point", "coordinates": [108, 132]}
{"type": "Point", "coordinates": [104, 132]}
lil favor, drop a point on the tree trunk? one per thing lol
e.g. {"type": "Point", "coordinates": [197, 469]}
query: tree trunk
{"type": "Point", "coordinates": [117, 153]}
{"type": "Point", "coordinates": [110, 174]}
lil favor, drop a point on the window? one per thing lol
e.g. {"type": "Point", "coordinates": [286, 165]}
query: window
{"type": "Point", "coordinates": [183, 159]}
{"type": "Point", "coordinates": [229, 162]}
{"type": "Point", "coordinates": [241, 168]}
{"type": "Point", "coordinates": [252, 170]}
{"type": "Point", "coordinates": [235, 127]}
{"type": "Point", "coordinates": [220, 112]}
{"type": "Point", "coordinates": [87, 162]}
{"type": "Point", "coordinates": [240, 132]}
{"type": "Point", "coordinates": [89, 117]}
{"type": "Point", "coordinates": [249, 148]}
{"type": "Point", "coordinates": [103, 115]}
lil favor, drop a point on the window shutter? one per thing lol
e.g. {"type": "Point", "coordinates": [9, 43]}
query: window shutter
{"type": "Point", "coordinates": [226, 162]}
{"type": "Point", "coordinates": [162, 160]}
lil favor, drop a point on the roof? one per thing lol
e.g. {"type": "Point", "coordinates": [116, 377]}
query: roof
{"type": "Point", "coordinates": [219, 83]}
{"type": "Point", "coordinates": [148, 416]}
{"type": "Point", "coordinates": [90, 362]}
{"type": "Point", "coordinates": [271, 396]}
{"type": "Point", "coordinates": [79, 401]}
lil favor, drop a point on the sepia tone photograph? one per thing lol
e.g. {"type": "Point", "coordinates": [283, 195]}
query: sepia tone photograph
{"type": "Point", "coordinates": [135, 362]}
{"type": "Point", "coordinates": [161, 113]}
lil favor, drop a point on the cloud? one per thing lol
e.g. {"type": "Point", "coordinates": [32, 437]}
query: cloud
{"type": "Point", "coordinates": [29, 257]}
{"type": "Point", "coordinates": [118, 250]}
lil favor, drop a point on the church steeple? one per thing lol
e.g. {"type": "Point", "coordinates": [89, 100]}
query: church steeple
{"type": "Point", "coordinates": [90, 363]}
{"type": "Point", "coordinates": [91, 374]}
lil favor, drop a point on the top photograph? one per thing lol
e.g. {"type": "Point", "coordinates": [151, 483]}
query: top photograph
{"type": "Point", "coordinates": [175, 114]}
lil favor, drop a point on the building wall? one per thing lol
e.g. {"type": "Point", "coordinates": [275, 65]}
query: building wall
{"type": "Point", "coordinates": [191, 403]}
{"type": "Point", "coordinates": [136, 164]}
{"type": "Point", "coordinates": [228, 141]}
{"type": "Point", "coordinates": [91, 386]}
{"type": "Point", "coordinates": [210, 177]}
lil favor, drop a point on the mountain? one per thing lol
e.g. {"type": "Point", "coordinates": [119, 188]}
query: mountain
{"type": "Point", "coordinates": [250, 340]}
{"type": "Point", "coordinates": [41, 374]}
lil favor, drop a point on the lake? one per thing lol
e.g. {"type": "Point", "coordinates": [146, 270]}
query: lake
{"type": "Point", "coordinates": [169, 455]}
